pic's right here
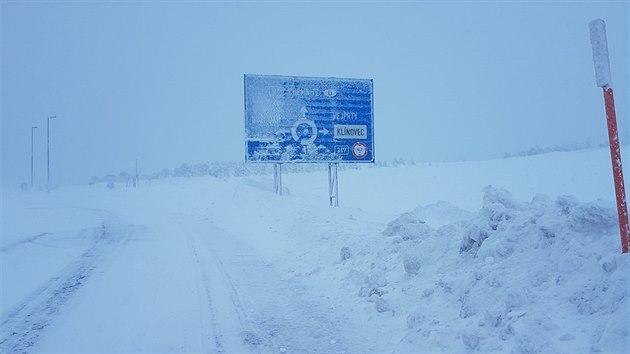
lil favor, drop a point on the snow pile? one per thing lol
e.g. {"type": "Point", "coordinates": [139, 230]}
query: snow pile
{"type": "Point", "coordinates": [542, 276]}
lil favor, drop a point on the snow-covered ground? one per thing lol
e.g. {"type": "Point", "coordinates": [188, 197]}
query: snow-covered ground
{"type": "Point", "coordinates": [515, 255]}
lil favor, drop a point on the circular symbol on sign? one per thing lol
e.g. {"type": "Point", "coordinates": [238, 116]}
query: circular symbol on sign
{"type": "Point", "coordinates": [359, 150]}
{"type": "Point", "coordinates": [304, 131]}
{"type": "Point", "coordinates": [330, 93]}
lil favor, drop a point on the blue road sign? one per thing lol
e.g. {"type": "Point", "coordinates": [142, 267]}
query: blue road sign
{"type": "Point", "coordinates": [307, 119]}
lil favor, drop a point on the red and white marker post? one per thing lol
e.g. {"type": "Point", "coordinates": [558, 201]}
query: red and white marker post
{"type": "Point", "coordinates": [602, 76]}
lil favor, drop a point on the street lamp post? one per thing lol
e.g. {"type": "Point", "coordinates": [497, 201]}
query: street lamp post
{"type": "Point", "coordinates": [32, 130]}
{"type": "Point", "coordinates": [48, 151]}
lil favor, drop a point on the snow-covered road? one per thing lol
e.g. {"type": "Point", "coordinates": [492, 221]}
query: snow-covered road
{"type": "Point", "coordinates": [30, 317]}
{"type": "Point", "coordinates": [168, 282]}
{"type": "Point", "coordinates": [248, 306]}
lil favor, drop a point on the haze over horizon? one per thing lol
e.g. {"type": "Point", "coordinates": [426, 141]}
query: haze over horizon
{"type": "Point", "coordinates": [162, 82]}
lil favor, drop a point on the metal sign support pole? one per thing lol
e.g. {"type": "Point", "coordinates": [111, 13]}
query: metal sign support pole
{"type": "Point", "coordinates": [336, 186]}
{"type": "Point", "coordinates": [280, 178]}
{"type": "Point", "coordinates": [333, 185]}
{"type": "Point", "coordinates": [330, 196]}
{"type": "Point", "coordinates": [277, 178]}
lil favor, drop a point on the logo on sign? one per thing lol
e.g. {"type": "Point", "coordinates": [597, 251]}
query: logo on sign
{"type": "Point", "coordinates": [359, 150]}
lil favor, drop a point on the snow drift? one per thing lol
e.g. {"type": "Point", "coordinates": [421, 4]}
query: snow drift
{"type": "Point", "coordinates": [540, 276]}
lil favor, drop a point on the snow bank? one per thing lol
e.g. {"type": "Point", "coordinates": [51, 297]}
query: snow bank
{"type": "Point", "coordinates": [538, 276]}
{"type": "Point", "coordinates": [541, 276]}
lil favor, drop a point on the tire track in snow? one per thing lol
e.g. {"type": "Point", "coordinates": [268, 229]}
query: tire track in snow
{"type": "Point", "coordinates": [205, 300]}
{"type": "Point", "coordinates": [25, 323]}
{"type": "Point", "coordinates": [224, 309]}
{"type": "Point", "coordinates": [23, 242]}
{"type": "Point", "coordinates": [270, 314]}
{"type": "Point", "coordinates": [249, 337]}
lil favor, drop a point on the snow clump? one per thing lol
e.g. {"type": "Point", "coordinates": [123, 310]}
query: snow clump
{"type": "Point", "coordinates": [409, 227]}
{"type": "Point", "coordinates": [515, 277]}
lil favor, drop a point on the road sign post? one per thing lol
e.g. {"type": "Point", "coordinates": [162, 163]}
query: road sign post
{"type": "Point", "coordinates": [333, 185]}
{"type": "Point", "coordinates": [277, 178]}
{"type": "Point", "coordinates": [602, 74]}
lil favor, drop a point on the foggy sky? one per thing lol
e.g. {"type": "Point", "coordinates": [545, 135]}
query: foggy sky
{"type": "Point", "coordinates": [163, 81]}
